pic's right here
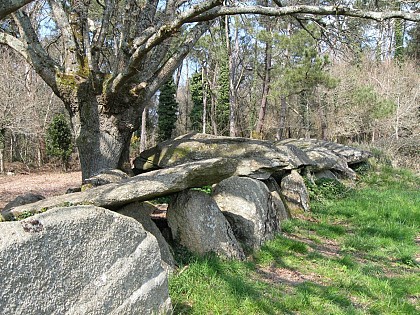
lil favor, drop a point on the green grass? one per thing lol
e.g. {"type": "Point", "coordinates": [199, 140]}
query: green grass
{"type": "Point", "coordinates": [352, 255]}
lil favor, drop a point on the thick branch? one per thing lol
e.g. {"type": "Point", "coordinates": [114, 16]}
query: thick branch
{"type": "Point", "coordinates": [10, 6]}
{"type": "Point", "coordinates": [99, 40]}
{"type": "Point", "coordinates": [147, 15]}
{"type": "Point", "coordinates": [16, 45]}
{"type": "Point", "coordinates": [164, 72]}
{"type": "Point", "coordinates": [164, 32]}
{"type": "Point", "coordinates": [31, 49]}
{"type": "Point", "coordinates": [306, 9]}
{"type": "Point", "coordinates": [70, 45]}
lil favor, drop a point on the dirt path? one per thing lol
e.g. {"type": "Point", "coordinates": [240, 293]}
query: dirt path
{"type": "Point", "coordinates": [46, 184]}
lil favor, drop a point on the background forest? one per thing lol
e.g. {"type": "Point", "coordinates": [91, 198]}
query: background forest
{"type": "Point", "coordinates": [331, 78]}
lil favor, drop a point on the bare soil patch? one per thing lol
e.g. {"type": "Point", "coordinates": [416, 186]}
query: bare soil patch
{"type": "Point", "coordinates": [46, 184]}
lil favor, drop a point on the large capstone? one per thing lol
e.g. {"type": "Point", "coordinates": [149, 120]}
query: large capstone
{"type": "Point", "coordinates": [330, 155]}
{"type": "Point", "coordinates": [80, 260]}
{"type": "Point", "coordinates": [254, 158]}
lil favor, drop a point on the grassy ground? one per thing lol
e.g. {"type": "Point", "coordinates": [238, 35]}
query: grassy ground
{"type": "Point", "coordinates": [357, 252]}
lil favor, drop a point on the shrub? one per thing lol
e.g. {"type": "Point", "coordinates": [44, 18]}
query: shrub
{"type": "Point", "coordinates": [59, 139]}
{"type": "Point", "coordinates": [326, 188]}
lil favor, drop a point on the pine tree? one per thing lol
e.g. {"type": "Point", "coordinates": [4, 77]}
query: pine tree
{"type": "Point", "coordinates": [196, 89]}
{"type": "Point", "coordinates": [167, 110]}
{"type": "Point", "coordinates": [59, 139]}
{"type": "Point", "coordinates": [413, 47]}
{"type": "Point", "coordinates": [223, 101]}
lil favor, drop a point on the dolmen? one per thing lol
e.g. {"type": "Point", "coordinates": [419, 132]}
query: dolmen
{"type": "Point", "coordinates": [101, 249]}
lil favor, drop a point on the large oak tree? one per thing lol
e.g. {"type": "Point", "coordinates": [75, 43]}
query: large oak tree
{"type": "Point", "coordinates": [112, 56]}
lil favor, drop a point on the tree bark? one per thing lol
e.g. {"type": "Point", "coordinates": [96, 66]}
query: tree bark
{"type": "Point", "coordinates": [204, 91]}
{"type": "Point", "coordinates": [1, 161]}
{"type": "Point", "coordinates": [143, 134]}
{"type": "Point", "coordinates": [102, 126]}
{"type": "Point", "coordinates": [213, 108]}
{"type": "Point", "coordinates": [266, 88]}
{"type": "Point", "coordinates": [10, 6]}
{"type": "Point", "coordinates": [232, 68]}
{"type": "Point", "coordinates": [281, 132]}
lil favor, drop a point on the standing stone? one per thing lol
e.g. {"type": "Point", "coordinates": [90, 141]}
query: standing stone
{"type": "Point", "coordinates": [141, 211]}
{"type": "Point", "coordinates": [325, 174]}
{"type": "Point", "coordinates": [247, 204]}
{"type": "Point", "coordinates": [80, 260]}
{"type": "Point", "coordinates": [295, 193]}
{"type": "Point", "coordinates": [198, 224]}
{"type": "Point", "coordinates": [282, 212]}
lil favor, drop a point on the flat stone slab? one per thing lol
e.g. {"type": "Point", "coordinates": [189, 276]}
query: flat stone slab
{"type": "Point", "coordinates": [255, 158]}
{"type": "Point", "coordinates": [142, 187]}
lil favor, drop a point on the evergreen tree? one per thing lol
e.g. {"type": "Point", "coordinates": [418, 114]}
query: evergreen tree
{"type": "Point", "coordinates": [167, 110]}
{"type": "Point", "coordinates": [413, 47]}
{"type": "Point", "coordinates": [223, 101]}
{"type": "Point", "coordinates": [196, 89]}
{"type": "Point", "coordinates": [59, 139]}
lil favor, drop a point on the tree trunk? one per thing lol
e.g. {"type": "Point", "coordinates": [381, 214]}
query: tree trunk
{"type": "Point", "coordinates": [187, 99]}
{"type": "Point", "coordinates": [204, 89]}
{"type": "Point", "coordinates": [143, 134]}
{"type": "Point", "coordinates": [266, 88]}
{"type": "Point", "coordinates": [213, 109]}
{"type": "Point", "coordinates": [281, 132]}
{"type": "Point", "coordinates": [102, 135]}
{"type": "Point", "coordinates": [2, 146]}
{"type": "Point", "coordinates": [323, 119]}
{"type": "Point", "coordinates": [232, 68]}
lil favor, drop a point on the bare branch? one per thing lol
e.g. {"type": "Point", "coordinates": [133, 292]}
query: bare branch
{"type": "Point", "coordinates": [306, 9]}
{"type": "Point", "coordinates": [164, 72]}
{"type": "Point", "coordinates": [70, 45]}
{"type": "Point", "coordinates": [162, 33]}
{"type": "Point", "coordinates": [35, 53]}
{"type": "Point", "coordinates": [10, 6]}
{"type": "Point", "coordinates": [15, 44]}
{"type": "Point", "coordinates": [99, 40]}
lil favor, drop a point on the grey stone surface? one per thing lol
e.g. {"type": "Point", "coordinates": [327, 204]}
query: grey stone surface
{"type": "Point", "coordinates": [23, 200]}
{"type": "Point", "coordinates": [138, 188]}
{"type": "Point", "coordinates": [247, 204]}
{"type": "Point", "coordinates": [282, 212]}
{"type": "Point", "coordinates": [104, 177]}
{"type": "Point", "coordinates": [295, 193]}
{"type": "Point", "coordinates": [255, 158]}
{"type": "Point", "coordinates": [198, 224]}
{"type": "Point", "coordinates": [141, 211]}
{"type": "Point", "coordinates": [352, 155]}
{"type": "Point", "coordinates": [324, 174]}
{"type": "Point", "coordinates": [297, 155]}
{"type": "Point", "coordinates": [325, 159]}
{"type": "Point", "coordinates": [80, 260]}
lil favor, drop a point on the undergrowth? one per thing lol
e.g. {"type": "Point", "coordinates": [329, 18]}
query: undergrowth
{"type": "Point", "coordinates": [356, 254]}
